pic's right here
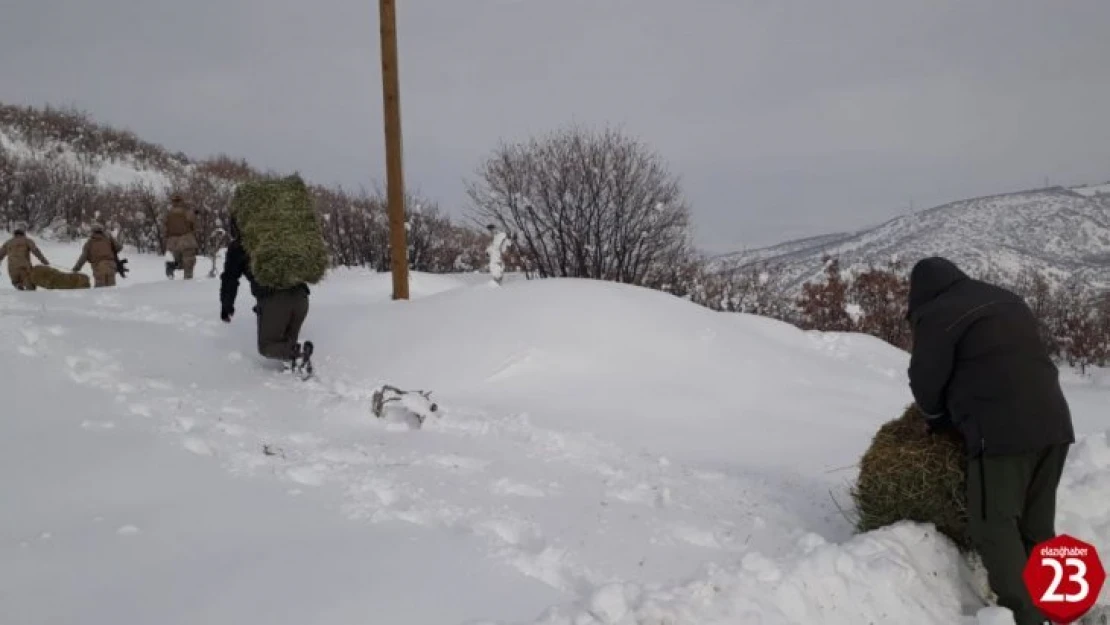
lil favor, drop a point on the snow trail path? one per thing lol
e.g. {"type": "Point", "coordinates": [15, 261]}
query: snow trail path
{"type": "Point", "coordinates": [558, 506]}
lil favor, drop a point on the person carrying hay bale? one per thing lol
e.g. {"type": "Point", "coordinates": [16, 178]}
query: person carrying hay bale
{"type": "Point", "coordinates": [18, 250]}
{"type": "Point", "coordinates": [279, 246]}
{"type": "Point", "coordinates": [979, 366]}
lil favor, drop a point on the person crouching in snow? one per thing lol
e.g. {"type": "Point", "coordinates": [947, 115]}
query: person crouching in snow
{"type": "Point", "coordinates": [279, 313]}
{"type": "Point", "coordinates": [978, 363]}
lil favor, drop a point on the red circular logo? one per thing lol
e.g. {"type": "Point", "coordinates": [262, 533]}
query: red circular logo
{"type": "Point", "coordinates": [1064, 576]}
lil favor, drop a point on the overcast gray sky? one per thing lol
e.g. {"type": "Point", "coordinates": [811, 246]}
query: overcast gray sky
{"type": "Point", "coordinates": [783, 118]}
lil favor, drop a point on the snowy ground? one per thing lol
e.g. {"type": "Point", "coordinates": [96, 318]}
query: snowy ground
{"type": "Point", "coordinates": [608, 455]}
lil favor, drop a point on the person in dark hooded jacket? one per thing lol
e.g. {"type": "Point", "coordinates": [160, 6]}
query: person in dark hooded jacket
{"type": "Point", "coordinates": [978, 364]}
{"type": "Point", "coordinates": [279, 314]}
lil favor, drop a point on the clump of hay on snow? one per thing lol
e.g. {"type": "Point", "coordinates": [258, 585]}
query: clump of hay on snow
{"type": "Point", "coordinates": [280, 232]}
{"type": "Point", "coordinates": [908, 474]}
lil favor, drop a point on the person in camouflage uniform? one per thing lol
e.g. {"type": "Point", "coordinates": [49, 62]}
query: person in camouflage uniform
{"type": "Point", "coordinates": [101, 251]}
{"type": "Point", "coordinates": [18, 250]}
{"type": "Point", "coordinates": [180, 230]}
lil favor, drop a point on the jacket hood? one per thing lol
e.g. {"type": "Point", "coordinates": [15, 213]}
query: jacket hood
{"type": "Point", "coordinates": [929, 278]}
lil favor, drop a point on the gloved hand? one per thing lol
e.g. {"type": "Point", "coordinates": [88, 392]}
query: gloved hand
{"type": "Point", "coordinates": [938, 423]}
{"type": "Point", "coordinates": [226, 312]}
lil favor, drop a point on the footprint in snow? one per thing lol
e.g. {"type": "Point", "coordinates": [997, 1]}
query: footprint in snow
{"type": "Point", "coordinates": [197, 446]}
{"type": "Point", "coordinates": [346, 456]}
{"type": "Point", "coordinates": [380, 490]}
{"type": "Point", "coordinates": [314, 475]}
{"type": "Point", "coordinates": [644, 494]}
{"type": "Point", "coordinates": [457, 462]}
{"type": "Point", "coordinates": [231, 430]}
{"type": "Point", "coordinates": [510, 488]}
{"type": "Point", "coordinates": [696, 536]}
{"type": "Point", "coordinates": [305, 438]}
{"type": "Point", "coordinates": [512, 531]}
{"type": "Point", "coordinates": [97, 354]}
{"type": "Point", "coordinates": [139, 410]}
{"type": "Point", "coordinates": [97, 425]}
{"type": "Point", "coordinates": [127, 530]}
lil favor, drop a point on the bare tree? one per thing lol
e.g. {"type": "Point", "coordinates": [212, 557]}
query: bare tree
{"type": "Point", "coordinates": [584, 204]}
{"type": "Point", "coordinates": [823, 306]}
{"type": "Point", "coordinates": [882, 294]}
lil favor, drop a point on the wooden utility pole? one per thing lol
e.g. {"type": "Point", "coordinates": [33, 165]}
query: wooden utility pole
{"type": "Point", "coordinates": [395, 180]}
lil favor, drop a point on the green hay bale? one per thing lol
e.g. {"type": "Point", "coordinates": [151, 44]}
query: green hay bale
{"type": "Point", "coordinates": [280, 232]}
{"type": "Point", "coordinates": [908, 474]}
{"type": "Point", "coordinates": [45, 277]}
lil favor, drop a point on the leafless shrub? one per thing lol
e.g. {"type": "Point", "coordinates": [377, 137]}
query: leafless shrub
{"type": "Point", "coordinates": [584, 204]}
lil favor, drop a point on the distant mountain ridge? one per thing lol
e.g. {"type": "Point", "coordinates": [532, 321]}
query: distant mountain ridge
{"type": "Point", "coordinates": [1056, 230]}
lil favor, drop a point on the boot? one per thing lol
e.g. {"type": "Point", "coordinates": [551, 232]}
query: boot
{"type": "Point", "coordinates": [296, 355]}
{"type": "Point", "coordinates": [302, 359]}
{"type": "Point", "coordinates": [306, 356]}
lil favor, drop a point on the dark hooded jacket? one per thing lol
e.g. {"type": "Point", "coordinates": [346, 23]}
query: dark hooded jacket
{"type": "Point", "coordinates": [978, 362]}
{"type": "Point", "coordinates": [237, 266]}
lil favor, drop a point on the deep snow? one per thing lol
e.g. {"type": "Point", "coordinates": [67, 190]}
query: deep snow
{"type": "Point", "coordinates": [608, 454]}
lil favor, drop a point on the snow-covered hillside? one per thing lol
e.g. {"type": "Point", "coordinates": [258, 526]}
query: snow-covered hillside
{"type": "Point", "coordinates": [1093, 189]}
{"type": "Point", "coordinates": [606, 455]}
{"type": "Point", "coordinates": [107, 170]}
{"type": "Point", "coordinates": [1056, 231]}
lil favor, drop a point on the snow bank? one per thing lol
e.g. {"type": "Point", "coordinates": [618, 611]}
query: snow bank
{"type": "Point", "coordinates": [618, 453]}
{"type": "Point", "coordinates": [905, 573]}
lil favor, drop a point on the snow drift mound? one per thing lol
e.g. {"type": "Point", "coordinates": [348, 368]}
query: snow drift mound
{"type": "Point", "coordinates": [634, 363]}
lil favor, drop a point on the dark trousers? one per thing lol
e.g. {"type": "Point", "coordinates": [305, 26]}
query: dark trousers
{"type": "Point", "coordinates": [280, 317]}
{"type": "Point", "coordinates": [1011, 508]}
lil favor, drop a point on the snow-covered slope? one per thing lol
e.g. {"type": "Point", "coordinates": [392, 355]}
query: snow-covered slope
{"type": "Point", "coordinates": [1056, 231]}
{"type": "Point", "coordinates": [606, 454]}
{"type": "Point", "coordinates": [108, 171]}
{"type": "Point", "coordinates": [1093, 189]}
